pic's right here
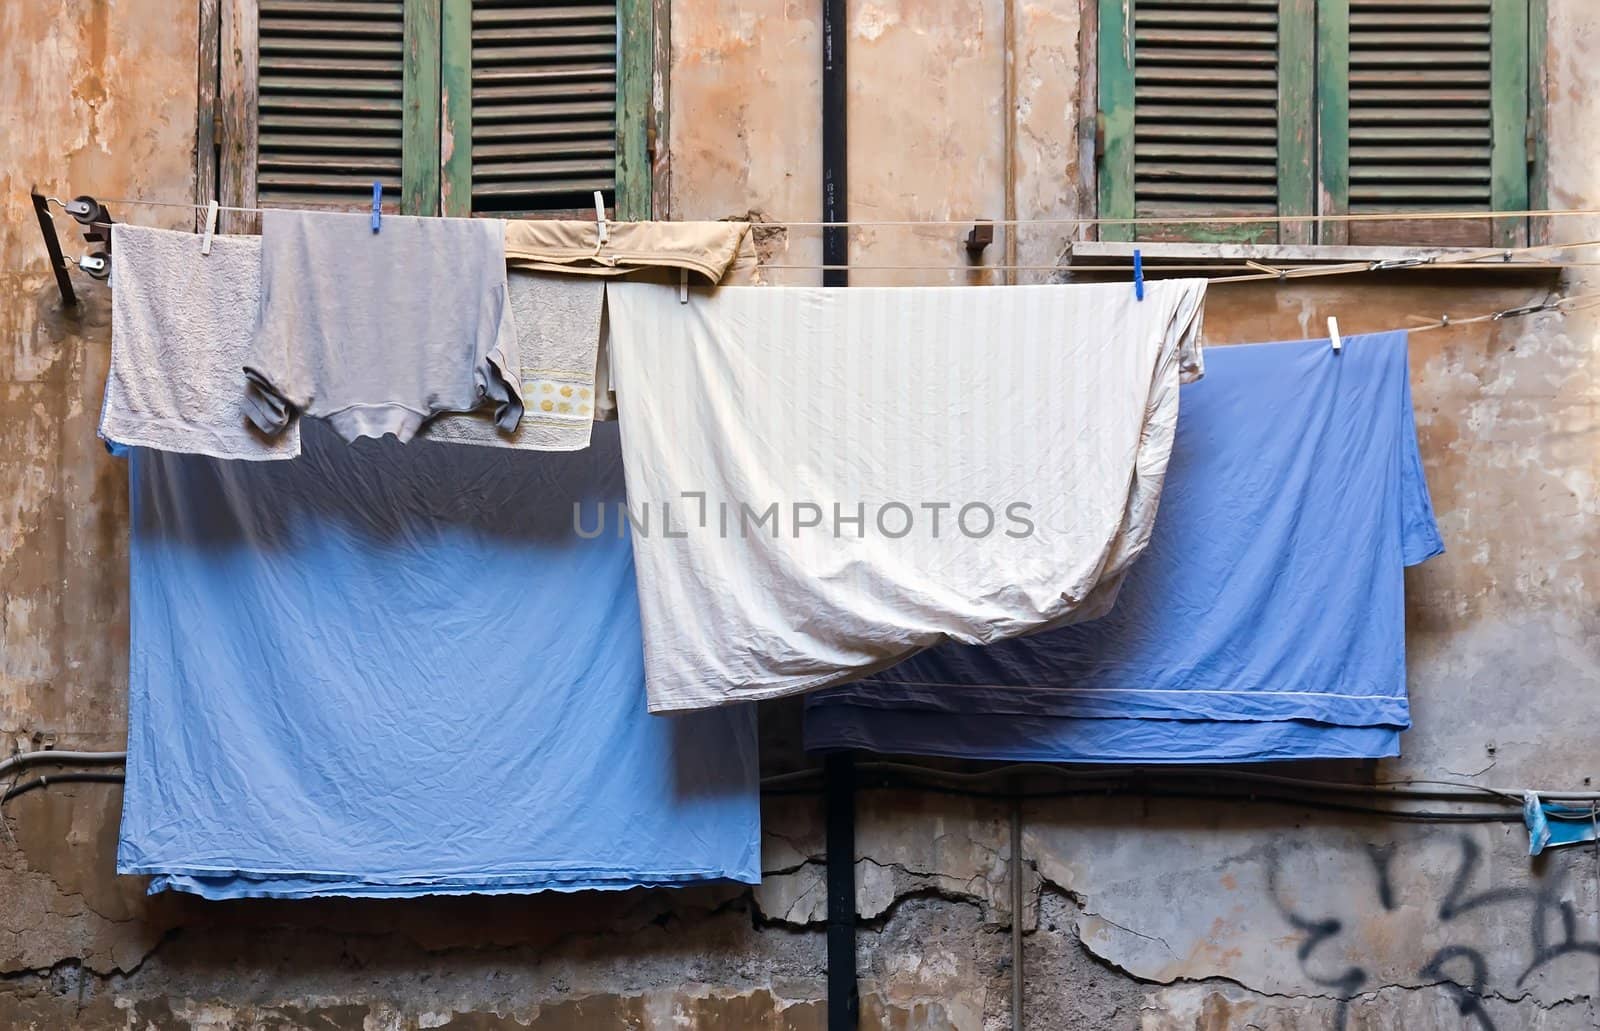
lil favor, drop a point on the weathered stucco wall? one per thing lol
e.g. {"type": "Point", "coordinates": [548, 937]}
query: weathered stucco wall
{"type": "Point", "coordinates": [1139, 914]}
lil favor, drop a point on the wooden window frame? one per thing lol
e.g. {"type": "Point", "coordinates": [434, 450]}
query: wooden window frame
{"type": "Point", "coordinates": [1313, 120]}
{"type": "Point", "coordinates": [436, 142]}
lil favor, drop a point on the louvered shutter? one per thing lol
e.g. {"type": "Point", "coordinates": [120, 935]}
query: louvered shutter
{"type": "Point", "coordinates": [544, 100]}
{"type": "Point", "coordinates": [329, 107]}
{"type": "Point", "coordinates": [1422, 109]}
{"type": "Point", "coordinates": [1285, 107]}
{"type": "Point", "coordinates": [1206, 109]}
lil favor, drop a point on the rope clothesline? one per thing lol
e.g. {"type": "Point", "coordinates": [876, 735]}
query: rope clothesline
{"type": "Point", "coordinates": [1310, 271]}
{"type": "Point", "coordinates": [1569, 303]}
{"type": "Point", "coordinates": [1481, 259]}
{"type": "Point", "coordinates": [1169, 220]}
{"type": "Point", "coordinates": [1260, 272]}
{"type": "Point", "coordinates": [1143, 220]}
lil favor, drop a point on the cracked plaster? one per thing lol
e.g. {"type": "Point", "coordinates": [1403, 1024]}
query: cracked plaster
{"type": "Point", "coordinates": [1140, 916]}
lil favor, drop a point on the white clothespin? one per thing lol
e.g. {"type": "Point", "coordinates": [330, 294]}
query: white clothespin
{"type": "Point", "coordinates": [1333, 334]}
{"type": "Point", "coordinates": [683, 286]}
{"type": "Point", "coordinates": [600, 219]}
{"type": "Point", "coordinates": [211, 227]}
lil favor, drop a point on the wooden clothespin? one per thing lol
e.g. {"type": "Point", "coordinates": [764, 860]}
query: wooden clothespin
{"type": "Point", "coordinates": [601, 235]}
{"type": "Point", "coordinates": [1138, 275]}
{"type": "Point", "coordinates": [211, 228]}
{"type": "Point", "coordinates": [377, 206]}
{"type": "Point", "coordinates": [1333, 334]}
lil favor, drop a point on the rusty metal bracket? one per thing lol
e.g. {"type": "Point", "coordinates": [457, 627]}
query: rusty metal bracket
{"type": "Point", "coordinates": [52, 246]}
{"type": "Point", "coordinates": [96, 220]}
{"type": "Point", "coordinates": [979, 236]}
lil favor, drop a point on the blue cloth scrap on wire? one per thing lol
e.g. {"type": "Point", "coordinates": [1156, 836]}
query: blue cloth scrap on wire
{"type": "Point", "coordinates": [380, 670]}
{"type": "Point", "coordinates": [1551, 824]}
{"type": "Point", "coordinates": [1272, 593]}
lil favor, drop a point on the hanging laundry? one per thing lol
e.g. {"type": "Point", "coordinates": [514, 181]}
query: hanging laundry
{"type": "Point", "coordinates": [558, 336]}
{"type": "Point", "coordinates": [826, 481]}
{"type": "Point", "coordinates": [182, 323]}
{"type": "Point", "coordinates": [715, 253]}
{"type": "Point", "coordinates": [377, 332]}
{"type": "Point", "coordinates": [1265, 621]}
{"type": "Point", "coordinates": [385, 670]}
{"type": "Point", "coordinates": [718, 252]}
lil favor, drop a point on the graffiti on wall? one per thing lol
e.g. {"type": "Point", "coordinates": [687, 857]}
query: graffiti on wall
{"type": "Point", "coordinates": [1460, 964]}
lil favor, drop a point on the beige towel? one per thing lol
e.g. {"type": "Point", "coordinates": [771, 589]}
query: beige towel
{"type": "Point", "coordinates": [720, 252]}
{"type": "Point", "coordinates": [558, 337]}
{"type": "Point", "coordinates": [723, 253]}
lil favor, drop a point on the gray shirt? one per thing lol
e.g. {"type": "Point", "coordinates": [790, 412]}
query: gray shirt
{"type": "Point", "coordinates": [379, 332]}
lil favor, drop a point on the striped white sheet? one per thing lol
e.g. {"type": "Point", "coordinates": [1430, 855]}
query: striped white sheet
{"type": "Point", "coordinates": [1003, 448]}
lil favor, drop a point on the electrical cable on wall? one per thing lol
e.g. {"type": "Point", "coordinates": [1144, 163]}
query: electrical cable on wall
{"type": "Point", "coordinates": [928, 783]}
{"type": "Point", "coordinates": [1111, 781]}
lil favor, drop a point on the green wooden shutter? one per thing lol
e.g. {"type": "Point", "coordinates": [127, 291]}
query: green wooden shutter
{"type": "Point", "coordinates": [530, 104]}
{"type": "Point", "coordinates": [1206, 109]}
{"type": "Point", "coordinates": [329, 108]}
{"type": "Point", "coordinates": [1244, 107]}
{"type": "Point", "coordinates": [1437, 117]}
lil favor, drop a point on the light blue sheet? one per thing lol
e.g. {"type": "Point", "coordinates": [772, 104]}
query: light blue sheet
{"type": "Point", "coordinates": [386, 670]}
{"type": "Point", "coordinates": [1266, 620]}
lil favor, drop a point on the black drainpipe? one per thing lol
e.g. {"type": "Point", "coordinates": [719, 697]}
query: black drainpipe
{"type": "Point", "coordinates": [839, 778]}
{"type": "Point", "coordinates": [835, 241]}
{"type": "Point", "coordinates": [839, 769]}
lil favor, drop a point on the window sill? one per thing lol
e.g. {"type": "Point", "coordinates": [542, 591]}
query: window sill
{"type": "Point", "coordinates": [1156, 254]}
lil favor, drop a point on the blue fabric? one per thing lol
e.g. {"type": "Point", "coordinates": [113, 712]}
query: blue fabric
{"type": "Point", "coordinates": [1019, 738]}
{"type": "Point", "coordinates": [386, 670]}
{"type": "Point", "coordinates": [1272, 592]}
{"type": "Point", "coordinates": [1551, 825]}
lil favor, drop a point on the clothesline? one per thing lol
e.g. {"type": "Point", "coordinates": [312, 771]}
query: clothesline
{"type": "Point", "coordinates": [1568, 303]}
{"type": "Point", "coordinates": [1167, 220]}
{"type": "Point", "coordinates": [1263, 272]}
{"type": "Point", "coordinates": [1478, 259]}
{"type": "Point", "coordinates": [1149, 269]}
{"type": "Point", "coordinates": [1144, 220]}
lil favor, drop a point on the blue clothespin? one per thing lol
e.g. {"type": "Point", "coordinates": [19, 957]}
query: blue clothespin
{"type": "Point", "coordinates": [377, 206]}
{"type": "Point", "coordinates": [1138, 275]}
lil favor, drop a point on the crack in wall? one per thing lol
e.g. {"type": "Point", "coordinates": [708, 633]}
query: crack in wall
{"type": "Point", "coordinates": [1075, 901]}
